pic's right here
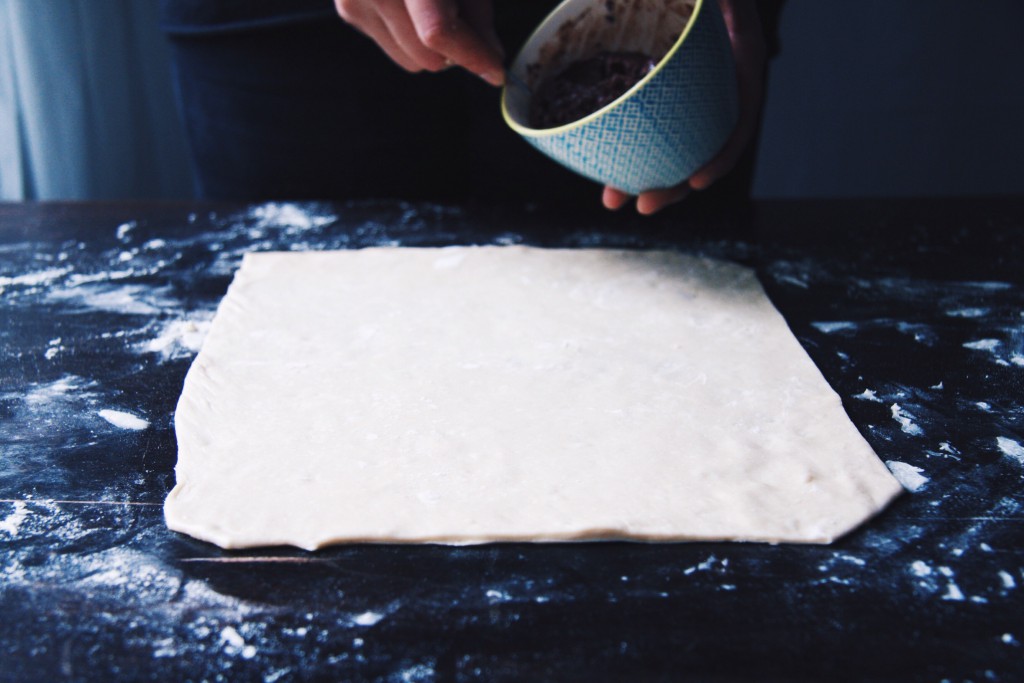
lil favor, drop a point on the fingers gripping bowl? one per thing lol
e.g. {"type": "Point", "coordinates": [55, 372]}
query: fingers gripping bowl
{"type": "Point", "coordinates": [662, 129]}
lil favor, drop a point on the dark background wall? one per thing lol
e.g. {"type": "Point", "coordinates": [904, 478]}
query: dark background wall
{"type": "Point", "coordinates": [868, 98]}
{"type": "Point", "coordinates": [895, 97]}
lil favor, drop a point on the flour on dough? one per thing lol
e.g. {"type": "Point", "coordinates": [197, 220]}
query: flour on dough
{"type": "Point", "coordinates": [475, 394]}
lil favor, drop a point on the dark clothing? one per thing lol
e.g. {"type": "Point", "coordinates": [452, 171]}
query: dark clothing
{"type": "Point", "coordinates": [281, 99]}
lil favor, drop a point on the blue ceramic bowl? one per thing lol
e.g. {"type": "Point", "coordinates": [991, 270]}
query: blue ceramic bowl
{"type": "Point", "coordinates": [665, 127]}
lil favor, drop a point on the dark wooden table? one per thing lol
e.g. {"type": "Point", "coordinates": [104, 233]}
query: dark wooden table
{"type": "Point", "coordinates": [913, 310]}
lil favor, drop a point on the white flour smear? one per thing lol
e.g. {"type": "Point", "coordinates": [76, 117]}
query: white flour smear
{"type": "Point", "coordinates": [1011, 448]}
{"type": "Point", "coordinates": [128, 299]}
{"type": "Point", "coordinates": [40, 277]}
{"type": "Point", "coordinates": [908, 475]}
{"type": "Point", "coordinates": [296, 217]}
{"type": "Point", "coordinates": [124, 420]}
{"type": "Point", "coordinates": [834, 326]}
{"type": "Point", "coordinates": [982, 345]}
{"type": "Point", "coordinates": [180, 338]}
{"type": "Point", "coordinates": [905, 420]}
{"type": "Point", "coordinates": [10, 524]}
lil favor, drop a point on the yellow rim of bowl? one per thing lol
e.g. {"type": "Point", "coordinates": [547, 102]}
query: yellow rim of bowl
{"type": "Point", "coordinates": [544, 132]}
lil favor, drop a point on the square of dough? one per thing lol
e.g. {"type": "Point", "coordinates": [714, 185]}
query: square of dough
{"type": "Point", "coordinates": [476, 394]}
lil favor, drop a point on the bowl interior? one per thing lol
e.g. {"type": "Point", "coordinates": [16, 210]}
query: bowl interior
{"type": "Point", "coordinates": [580, 29]}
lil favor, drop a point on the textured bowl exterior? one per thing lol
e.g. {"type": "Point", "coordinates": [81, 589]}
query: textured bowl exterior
{"type": "Point", "coordinates": [664, 129]}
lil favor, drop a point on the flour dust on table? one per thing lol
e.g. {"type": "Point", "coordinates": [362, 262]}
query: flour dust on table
{"type": "Point", "coordinates": [103, 308]}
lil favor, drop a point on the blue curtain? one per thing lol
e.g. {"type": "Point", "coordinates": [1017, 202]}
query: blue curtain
{"type": "Point", "coordinates": [86, 103]}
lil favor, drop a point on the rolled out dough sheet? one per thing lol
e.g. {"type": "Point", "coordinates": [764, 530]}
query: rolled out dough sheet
{"type": "Point", "coordinates": [475, 394]}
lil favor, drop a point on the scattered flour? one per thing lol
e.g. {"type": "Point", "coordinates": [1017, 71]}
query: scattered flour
{"type": "Point", "coordinates": [419, 673]}
{"type": "Point", "coordinates": [124, 229]}
{"type": "Point", "coordinates": [298, 217]}
{"type": "Point", "coordinates": [834, 326]}
{"type": "Point", "coordinates": [77, 279]}
{"type": "Point", "coordinates": [921, 333]}
{"type": "Point", "coordinates": [907, 475]}
{"type": "Point", "coordinates": [165, 647]}
{"type": "Point", "coordinates": [124, 420]}
{"type": "Point", "coordinates": [792, 280]}
{"type": "Point", "coordinates": [982, 345]}
{"type": "Point", "coordinates": [906, 420]}
{"type": "Point", "coordinates": [494, 595]}
{"type": "Point", "coordinates": [124, 299]}
{"type": "Point", "coordinates": [868, 395]}
{"type": "Point", "coordinates": [12, 522]}
{"type": "Point", "coordinates": [40, 395]}
{"type": "Point", "coordinates": [276, 675]}
{"type": "Point", "coordinates": [179, 338]}
{"type": "Point", "coordinates": [35, 279]}
{"type": "Point", "coordinates": [234, 643]}
{"type": "Point", "coordinates": [1011, 448]}
{"type": "Point", "coordinates": [920, 568]}
{"type": "Point", "coordinates": [953, 592]}
{"type": "Point", "coordinates": [232, 640]}
{"type": "Point", "coordinates": [704, 566]}
{"type": "Point", "coordinates": [367, 618]}
{"type": "Point", "coordinates": [946, 450]}
{"type": "Point", "coordinates": [53, 347]}
{"type": "Point", "coordinates": [967, 312]}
